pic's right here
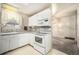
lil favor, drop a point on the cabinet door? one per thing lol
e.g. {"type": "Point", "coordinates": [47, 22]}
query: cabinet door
{"type": "Point", "coordinates": [23, 39]}
{"type": "Point", "coordinates": [0, 44]}
{"type": "Point", "coordinates": [4, 44]}
{"type": "Point", "coordinates": [45, 13]}
{"type": "Point", "coordinates": [31, 39]}
{"type": "Point", "coordinates": [26, 38]}
{"type": "Point", "coordinates": [33, 21]}
{"type": "Point", "coordinates": [14, 41]}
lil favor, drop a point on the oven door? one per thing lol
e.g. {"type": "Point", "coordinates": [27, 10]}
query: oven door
{"type": "Point", "coordinates": [40, 40]}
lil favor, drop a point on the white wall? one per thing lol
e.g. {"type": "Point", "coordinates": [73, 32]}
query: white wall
{"type": "Point", "coordinates": [0, 17]}
{"type": "Point", "coordinates": [24, 20]}
{"type": "Point", "coordinates": [59, 7]}
{"type": "Point", "coordinates": [78, 27]}
{"type": "Point", "coordinates": [65, 26]}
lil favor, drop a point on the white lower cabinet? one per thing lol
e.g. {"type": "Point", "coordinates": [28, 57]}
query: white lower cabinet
{"type": "Point", "coordinates": [18, 40]}
{"type": "Point", "coordinates": [26, 39]}
{"type": "Point", "coordinates": [4, 44]}
{"type": "Point", "coordinates": [14, 41]}
{"type": "Point", "coordinates": [31, 39]}
{"type": "Point", "coordinates": [23, 39]}
{"type": "Point", "coordinates": [9, 42]}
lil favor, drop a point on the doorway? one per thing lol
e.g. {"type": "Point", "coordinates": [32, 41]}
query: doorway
{"type": "Point", "coordinates": [65, 33]}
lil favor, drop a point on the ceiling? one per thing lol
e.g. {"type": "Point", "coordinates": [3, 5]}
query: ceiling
{"type": "Point", "coordinates": [30, 8]}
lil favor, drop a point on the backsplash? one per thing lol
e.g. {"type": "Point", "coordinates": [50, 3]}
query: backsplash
{"type": "Point", "coordinates": [10, 28]}
{"type": "Point", "coordinates": [40, 28]}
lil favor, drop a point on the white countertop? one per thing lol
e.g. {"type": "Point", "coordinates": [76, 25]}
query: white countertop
{"type": "Point", "coordinates": [13, 33]}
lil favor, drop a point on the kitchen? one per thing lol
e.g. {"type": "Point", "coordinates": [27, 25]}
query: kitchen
{"type": "Point", "coordinates": [39, 29]}
{"type": "Point", "coordinates": [18, 30]}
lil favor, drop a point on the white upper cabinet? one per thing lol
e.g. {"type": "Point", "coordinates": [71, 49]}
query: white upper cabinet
{"type": "Point", "coordinates": [41, 18]}
{"type": "Point", "coordinates": [33, 20]}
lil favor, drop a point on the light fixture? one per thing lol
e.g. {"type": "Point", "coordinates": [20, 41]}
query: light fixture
{"type": "Point", "coordinates": [8, 7]}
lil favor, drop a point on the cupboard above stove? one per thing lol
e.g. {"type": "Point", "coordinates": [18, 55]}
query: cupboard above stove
{"type": "Point", "coordinates": [41, 19]}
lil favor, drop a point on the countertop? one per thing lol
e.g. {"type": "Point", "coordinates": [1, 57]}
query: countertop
{"type": "Point", "coordinates": [22, 32]}
{"type": "Point", "coordinates": [14, 33]}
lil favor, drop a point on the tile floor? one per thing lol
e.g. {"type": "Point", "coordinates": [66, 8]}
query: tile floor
{"type": "Point", "coordinates": [66, 45]}
{"type": "Point", "coordinates": [28, 50]}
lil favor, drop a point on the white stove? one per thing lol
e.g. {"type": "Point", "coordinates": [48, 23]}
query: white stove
{"type": "Point", "coordinates": [43, 42]}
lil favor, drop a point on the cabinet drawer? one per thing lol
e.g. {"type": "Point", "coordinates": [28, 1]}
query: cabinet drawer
{"type": "Point", "coordinates": [39, 48]}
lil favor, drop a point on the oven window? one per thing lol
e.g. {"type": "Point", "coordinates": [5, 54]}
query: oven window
{"type": "Point", "coordinates": [38, 39]}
